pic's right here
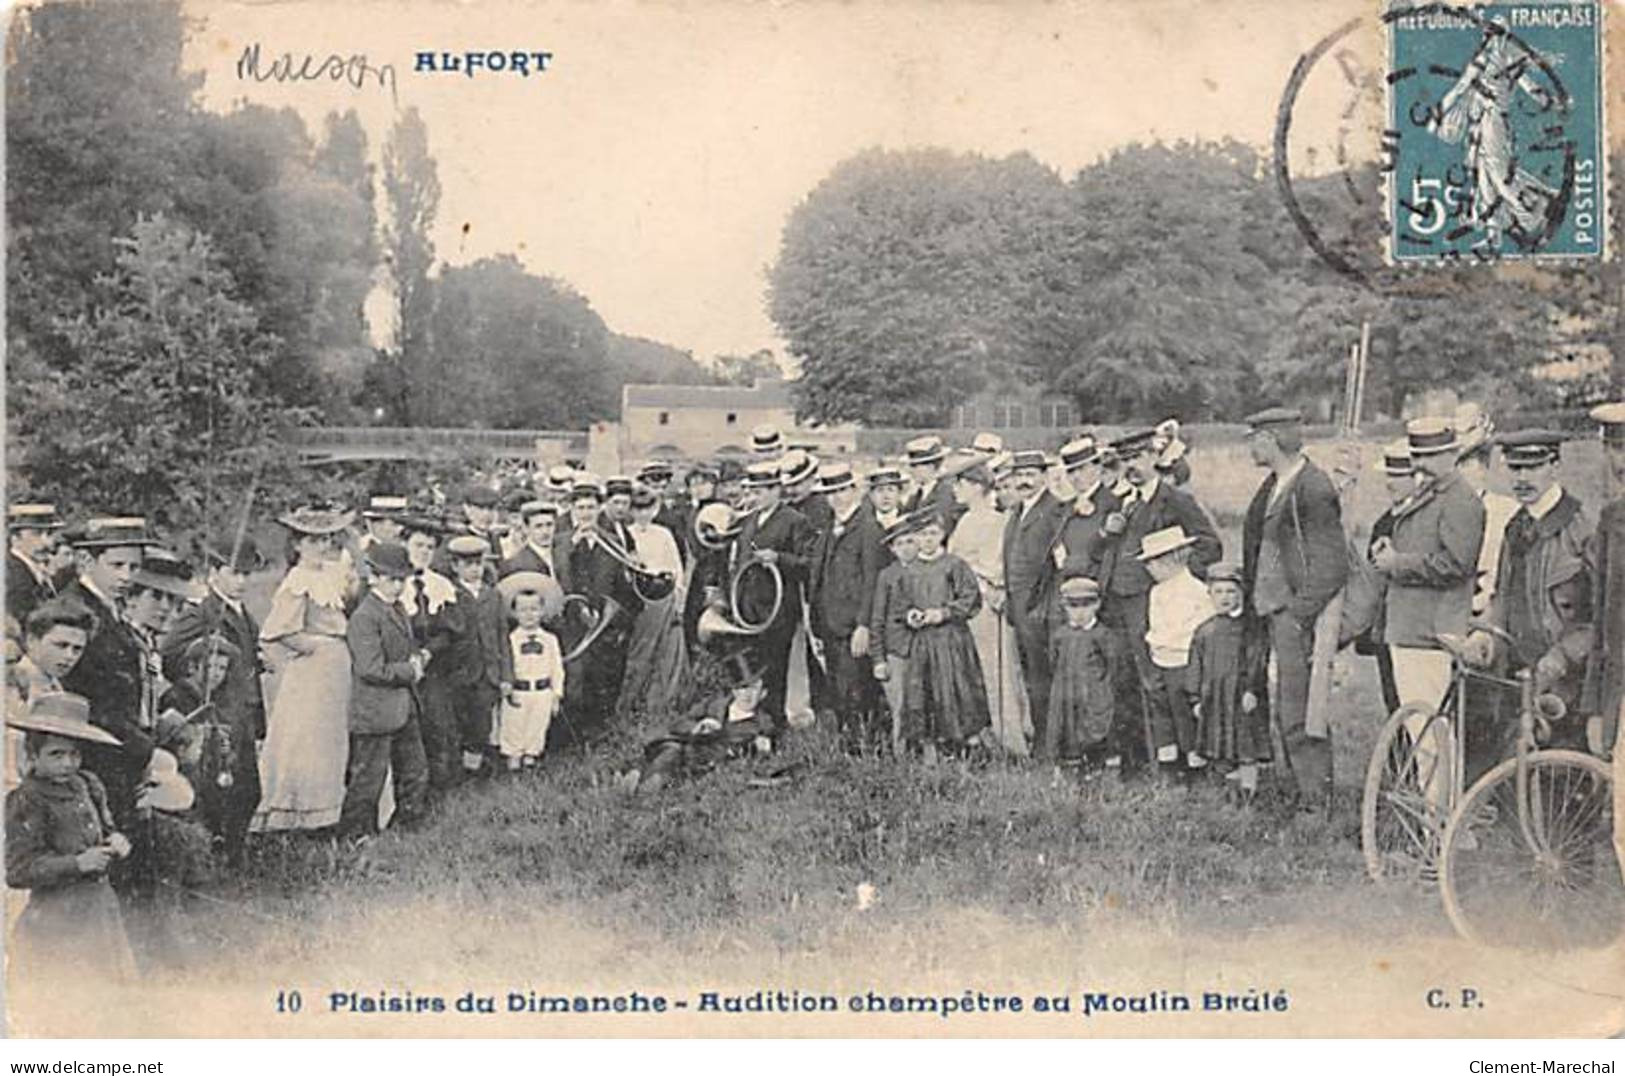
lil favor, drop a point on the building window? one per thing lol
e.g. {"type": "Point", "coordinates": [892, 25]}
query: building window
{"type": "Point", "coordinates": [1001, 416]}
{"type": "Point", "coordinates": [665, 418]}
{"type": "Point", "coordinates": [733, 418]}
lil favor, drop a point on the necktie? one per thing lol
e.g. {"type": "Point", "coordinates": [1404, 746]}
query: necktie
{"type": "Point", "coordinates": [531, 645]}
{"type": "Point", "coordinates": [1521, 533]}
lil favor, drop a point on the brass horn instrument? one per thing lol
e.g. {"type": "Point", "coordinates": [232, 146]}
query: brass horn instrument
{"type": "Point", "coordinates": [716, 525]}
{"type": "Point", "coordinates": [597, 622]}
{"type": "Point", "coordinates": [652, 586]}
{"type": "Point", "coordinates": [721, 620]}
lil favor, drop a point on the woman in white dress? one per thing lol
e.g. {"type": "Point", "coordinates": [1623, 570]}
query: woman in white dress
{"type": "Point", "coordinates": [978, 540]}
{"type": "Point", "coordinates": [307, 731]}
{"type": "Point", "coordinates": [656, 656]}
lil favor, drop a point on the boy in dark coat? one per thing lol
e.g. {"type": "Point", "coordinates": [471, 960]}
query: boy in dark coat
{"type": "Point", "coordinates": [386, 668]}
{"type": "Point", "coordinates": [479, 665]}
{"type": "Point", "coordinates": [736, 723]}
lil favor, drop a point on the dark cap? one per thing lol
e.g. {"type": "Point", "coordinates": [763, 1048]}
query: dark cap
{"type": "Point", "coordinates": [1131, 442]}
{"type": "Point", "coordinates": [389, 559]}
{"type": "Point", "coordinates": [655, 470]}
{"type": "Point", "coordinates": [1274, 416]}
{"type": "Point", "coordinates": [912, 523]}
{"type": "Point", "coordinates": [617, 485]}
{"type": "Point", "coordinates": [1226, 571]}
{"type": "Point", "coordinates": [110, 532]}
{"type": "Point", "coordinates": [885, 476]}
{"type": "Point", "coordinates": [479, 495]}
{"type": "Point", "coordinates": [1611, 417]}
{"type": "Point", "coordinates": [1530, 448]}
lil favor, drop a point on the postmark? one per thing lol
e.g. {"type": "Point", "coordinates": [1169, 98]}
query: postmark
{"type": "Point", "coordinates": [1494, 141]}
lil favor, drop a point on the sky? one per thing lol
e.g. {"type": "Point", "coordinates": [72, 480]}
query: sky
{"type": "Point", "coordinates": [654, 164]}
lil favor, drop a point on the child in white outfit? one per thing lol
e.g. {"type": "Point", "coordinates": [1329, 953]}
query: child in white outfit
{"type": "Point", "coordinates": [538, 684]}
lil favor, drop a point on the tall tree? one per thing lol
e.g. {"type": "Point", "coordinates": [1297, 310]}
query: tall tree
{"type": "Point", "coordinates": [412, 199]}
{"type": "Point", "coordinates": [747, 369]}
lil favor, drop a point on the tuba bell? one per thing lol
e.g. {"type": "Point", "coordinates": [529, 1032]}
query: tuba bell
{"type": "Point", "coordinates": [723, 618]}
{"type": "Point", "coordinates": [716, 525]}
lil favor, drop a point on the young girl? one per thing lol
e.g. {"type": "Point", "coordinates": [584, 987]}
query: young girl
{"type": "Point", "coordinates": [60, 842]}
{"type": "Point", "coordinates": [944, 694]}
{"type": "Point", "coordinates": [1225, 682]}
{"type": "Point", "coordinates": [1086, 662]}
{"type": "Point", "coordinates": [538, 672]}
{"type": "Point", "coordinates": [213, 737]}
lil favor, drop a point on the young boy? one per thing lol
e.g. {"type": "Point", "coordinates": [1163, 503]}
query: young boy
{"type": "Point", "coordinates": [736, 723]}
{"type": "Point", "coordinates": [479, 667]}
{"type": "Point", "coordinates": [428, 599]}
{"type": "Point", "coordinates": [890, 637]}
{"type": "Point", "coordinates": [1086, 663]}
{"type": "Point", "coordinates": [53, 638]}
{"type": "Point", "coordinates": [1179, 603]}
{"type": "Point", "coordinates": [1225, 682]}
{"type": "Point", "coordinates": [537, 684]}
{"type": "Point", "coordinates": [386, 666]}
{"type": "Point", "coordinates": [60, 842]}
{"type": "Point", "coordinates": [216, 744]}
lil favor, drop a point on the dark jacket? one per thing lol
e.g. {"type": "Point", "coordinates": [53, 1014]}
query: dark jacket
{"type": "Point", "coordinates": [1028, 543]}
{"type": "Point", "coordinates": [941, 497]}
{"type": "Point", "coordinates": [527, 560]}
{"type": "Point", "coordinates": [787, 535]}
{"type": "Point", "coordinates": [1122, 574]}
{"type": "Point", "coordinates": [1309, 532]}
{"type": "Point", "coordinates": [24, 591]}
{"type": "Point", "coordinates": [109, 676]}
{"type": "Point", "coordinates": [383, 691]}
{"type": "Point", "coordinates": [844, 571]}
{"type": "Point", "coordinates": [479, 652]}
{"type": "Point", "coordinates": [210, 616]}
{"type": "Point", "coordinates": [1605, 669]}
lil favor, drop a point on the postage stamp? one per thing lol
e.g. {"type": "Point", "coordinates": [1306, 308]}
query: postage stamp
{"type": "Point", "coordinates": [1494, 145]}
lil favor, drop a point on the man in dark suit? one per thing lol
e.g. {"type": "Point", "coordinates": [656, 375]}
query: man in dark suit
{"type": "Point", "coordinates": [799, 476]}
{"type": "Point", "coordinates": [1294, 561]}
{"type": "Point", "coordinates": [700, 562]}
{"type": "Point", "coordinates": [773, 533]}
{"type": "Point", "coordinates": [850, 555]}
{"type": "Point", "coordinates": [1081, 545]}
{"type": "Point", "coordinates": [924, 456]}
{"type": "Point", "coordinates": [32, 529]}
{"type": "Point", "coordinates": [1149, 504]}
{"type": "Point", "coordinates": [1029, 537]}
{"type": "Point", "coordinates": [540, 519]}
{"type": "Point", "coordinates": [222, 613]}
{"type": "Point", "coordinates": [386, 666]}
{"type": "Point", "coordinates": [479, 663]}
{"type": "Point", "coordinates": [592, 691]}
{"type": "Point", "coordinates": [109, 672]}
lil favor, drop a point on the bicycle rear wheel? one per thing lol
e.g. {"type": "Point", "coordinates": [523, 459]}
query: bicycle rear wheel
{"type": "Point", "coordinates": [1564, 891]}
{"type": "Point", "coordinates": [1408, 795]}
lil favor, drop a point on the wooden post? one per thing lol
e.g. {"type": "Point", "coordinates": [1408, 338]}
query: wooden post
{"type": "Point", "coordinates": [1359, 381]}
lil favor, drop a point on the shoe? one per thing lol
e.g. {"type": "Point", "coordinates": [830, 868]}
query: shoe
{"type": "Point", "coordinates": [473, 761]}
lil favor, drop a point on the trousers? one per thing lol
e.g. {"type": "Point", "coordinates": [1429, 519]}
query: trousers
{"type": "Point", "coordinates": [1309, 757]}
{"type": "Point", "coordinates": [372, 756]}
{"type": "Point", "coordinates": [1032, 648]}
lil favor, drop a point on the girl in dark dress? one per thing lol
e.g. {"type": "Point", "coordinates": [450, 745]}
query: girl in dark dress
{"type": "Point", "coordinates": [1225, 681]}
{"type": "Point", "coordinates": [944, 695]}
{"type": "Point", "coordinates": [211, 734]}
{"type": "Point", "coordinates": [1086, 662]}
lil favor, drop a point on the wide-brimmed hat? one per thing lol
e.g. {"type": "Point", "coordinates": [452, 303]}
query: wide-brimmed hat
{"type": "Point", "coordinates": [165, 571]}
{"type": "Point", "coordinates": [61, 713]}
{"type": "Point", "coordinates": [309, 519]}
{"type": "Point", "coordinates": [514, 584]}
{"type": "Point", "coordinates": [38, 517]}
{"type": "Point", "coordinates": [922, 450]}
{"type": "Point", "coordinates": [389, 559]}
{"type": "Point", "coordinates": [911, 523]}
{"type": "Point", "coordinates": [1431, 436]}
{"type": "Point", "coordinates": [1161, 543]}
{"type": "Point", "coordinates": [797, 466]}
{"type": "Point", "coordinates": [111, 532]}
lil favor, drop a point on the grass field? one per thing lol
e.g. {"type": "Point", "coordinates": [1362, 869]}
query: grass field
{"type": "Point", "coordinates": [987, 875]}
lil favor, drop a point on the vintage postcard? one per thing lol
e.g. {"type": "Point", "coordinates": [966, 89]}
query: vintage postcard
{"type": "Point", "coordinates": [1102, 518]}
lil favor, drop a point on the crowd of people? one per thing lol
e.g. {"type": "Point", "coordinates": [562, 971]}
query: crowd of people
{"type": "Point", "coordinates": [1079, 609]}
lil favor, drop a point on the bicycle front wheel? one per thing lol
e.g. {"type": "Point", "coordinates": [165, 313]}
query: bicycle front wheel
{"type": "Point", "coordinates": [1542, 874]}
{"type": "Point", "coordinates": [1408, 795]}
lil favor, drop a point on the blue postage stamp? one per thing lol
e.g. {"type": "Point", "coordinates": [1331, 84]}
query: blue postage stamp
{"type": "Point", "coordinates": [1495, 139]}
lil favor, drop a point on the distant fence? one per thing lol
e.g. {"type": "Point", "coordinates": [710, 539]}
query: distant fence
{"type": "Point", "coordinates": [326, 444]}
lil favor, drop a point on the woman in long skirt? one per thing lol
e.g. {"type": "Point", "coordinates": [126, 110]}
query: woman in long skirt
{"type": "Point", "coordinates": [944, 692]}
{"type": "Point", "coordinates": [657, 657]}
{"type": "Point", "coordinates": [978, 540]}
{"type": "Point", "coordinates": [307, 735]}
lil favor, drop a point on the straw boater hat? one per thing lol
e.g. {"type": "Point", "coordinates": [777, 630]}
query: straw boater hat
{"type": "Point", "coordinates": [885, 475]}
{"type": "Point", "coordinates": [312, 520]}
{"type": "Point", "coordinates": [1000, 464]}
{"type": "Point", "coordinates": [1473, 428]}
{"type": "Point", "coordinates": [766, 440]}
{"type": "Point", "coordinates": [111, 532]}
{"type": "Point", "coordinates": [1611, 418]}
{"type": "Point", "coordinates": [36, 517]}
{"type": "Point", "coordinates": [655, 470]}
{"type": "Point", "coordinates": [762, 474]}
{"type": "Point", "coordinates": [1078, 452]}
{"type": "Point", "coordinates": [516, 583]}
{"type": "Point", "coordinates": [797, 466]}
{"type": "Point", "coordinates": [1396, 460]}
{"type": "Point", "coordinates": [560, 478]}
{"type": "Point", "coordinates": [586, 484]}
{"type": "Point", "coordinates": [1029, 459]}
{"type": "Point", "coordinates": [468, 545]}
{"type": "Point", "coordinates": [1161, 543]}
{"type": "Point", "coordinates": [988, 444]}
{"type": "Point", "coordinates": [834, 477]}
{"type": "Point", "coordinates": [923, 450]}
{"type": "Point", "coordinates": [384, 507]}
{"type": "Point", "coordinates": [963, 462]}
{"type": "Point", "coordinates": [1431, 436]}
{"type": "Point", "coordinates": [531, 509]}
{"type": "Point", "coordinates": [60, 713]}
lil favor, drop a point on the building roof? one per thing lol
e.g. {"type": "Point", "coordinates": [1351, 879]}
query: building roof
{"type": "Point", "coordinates": [763, 394]}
